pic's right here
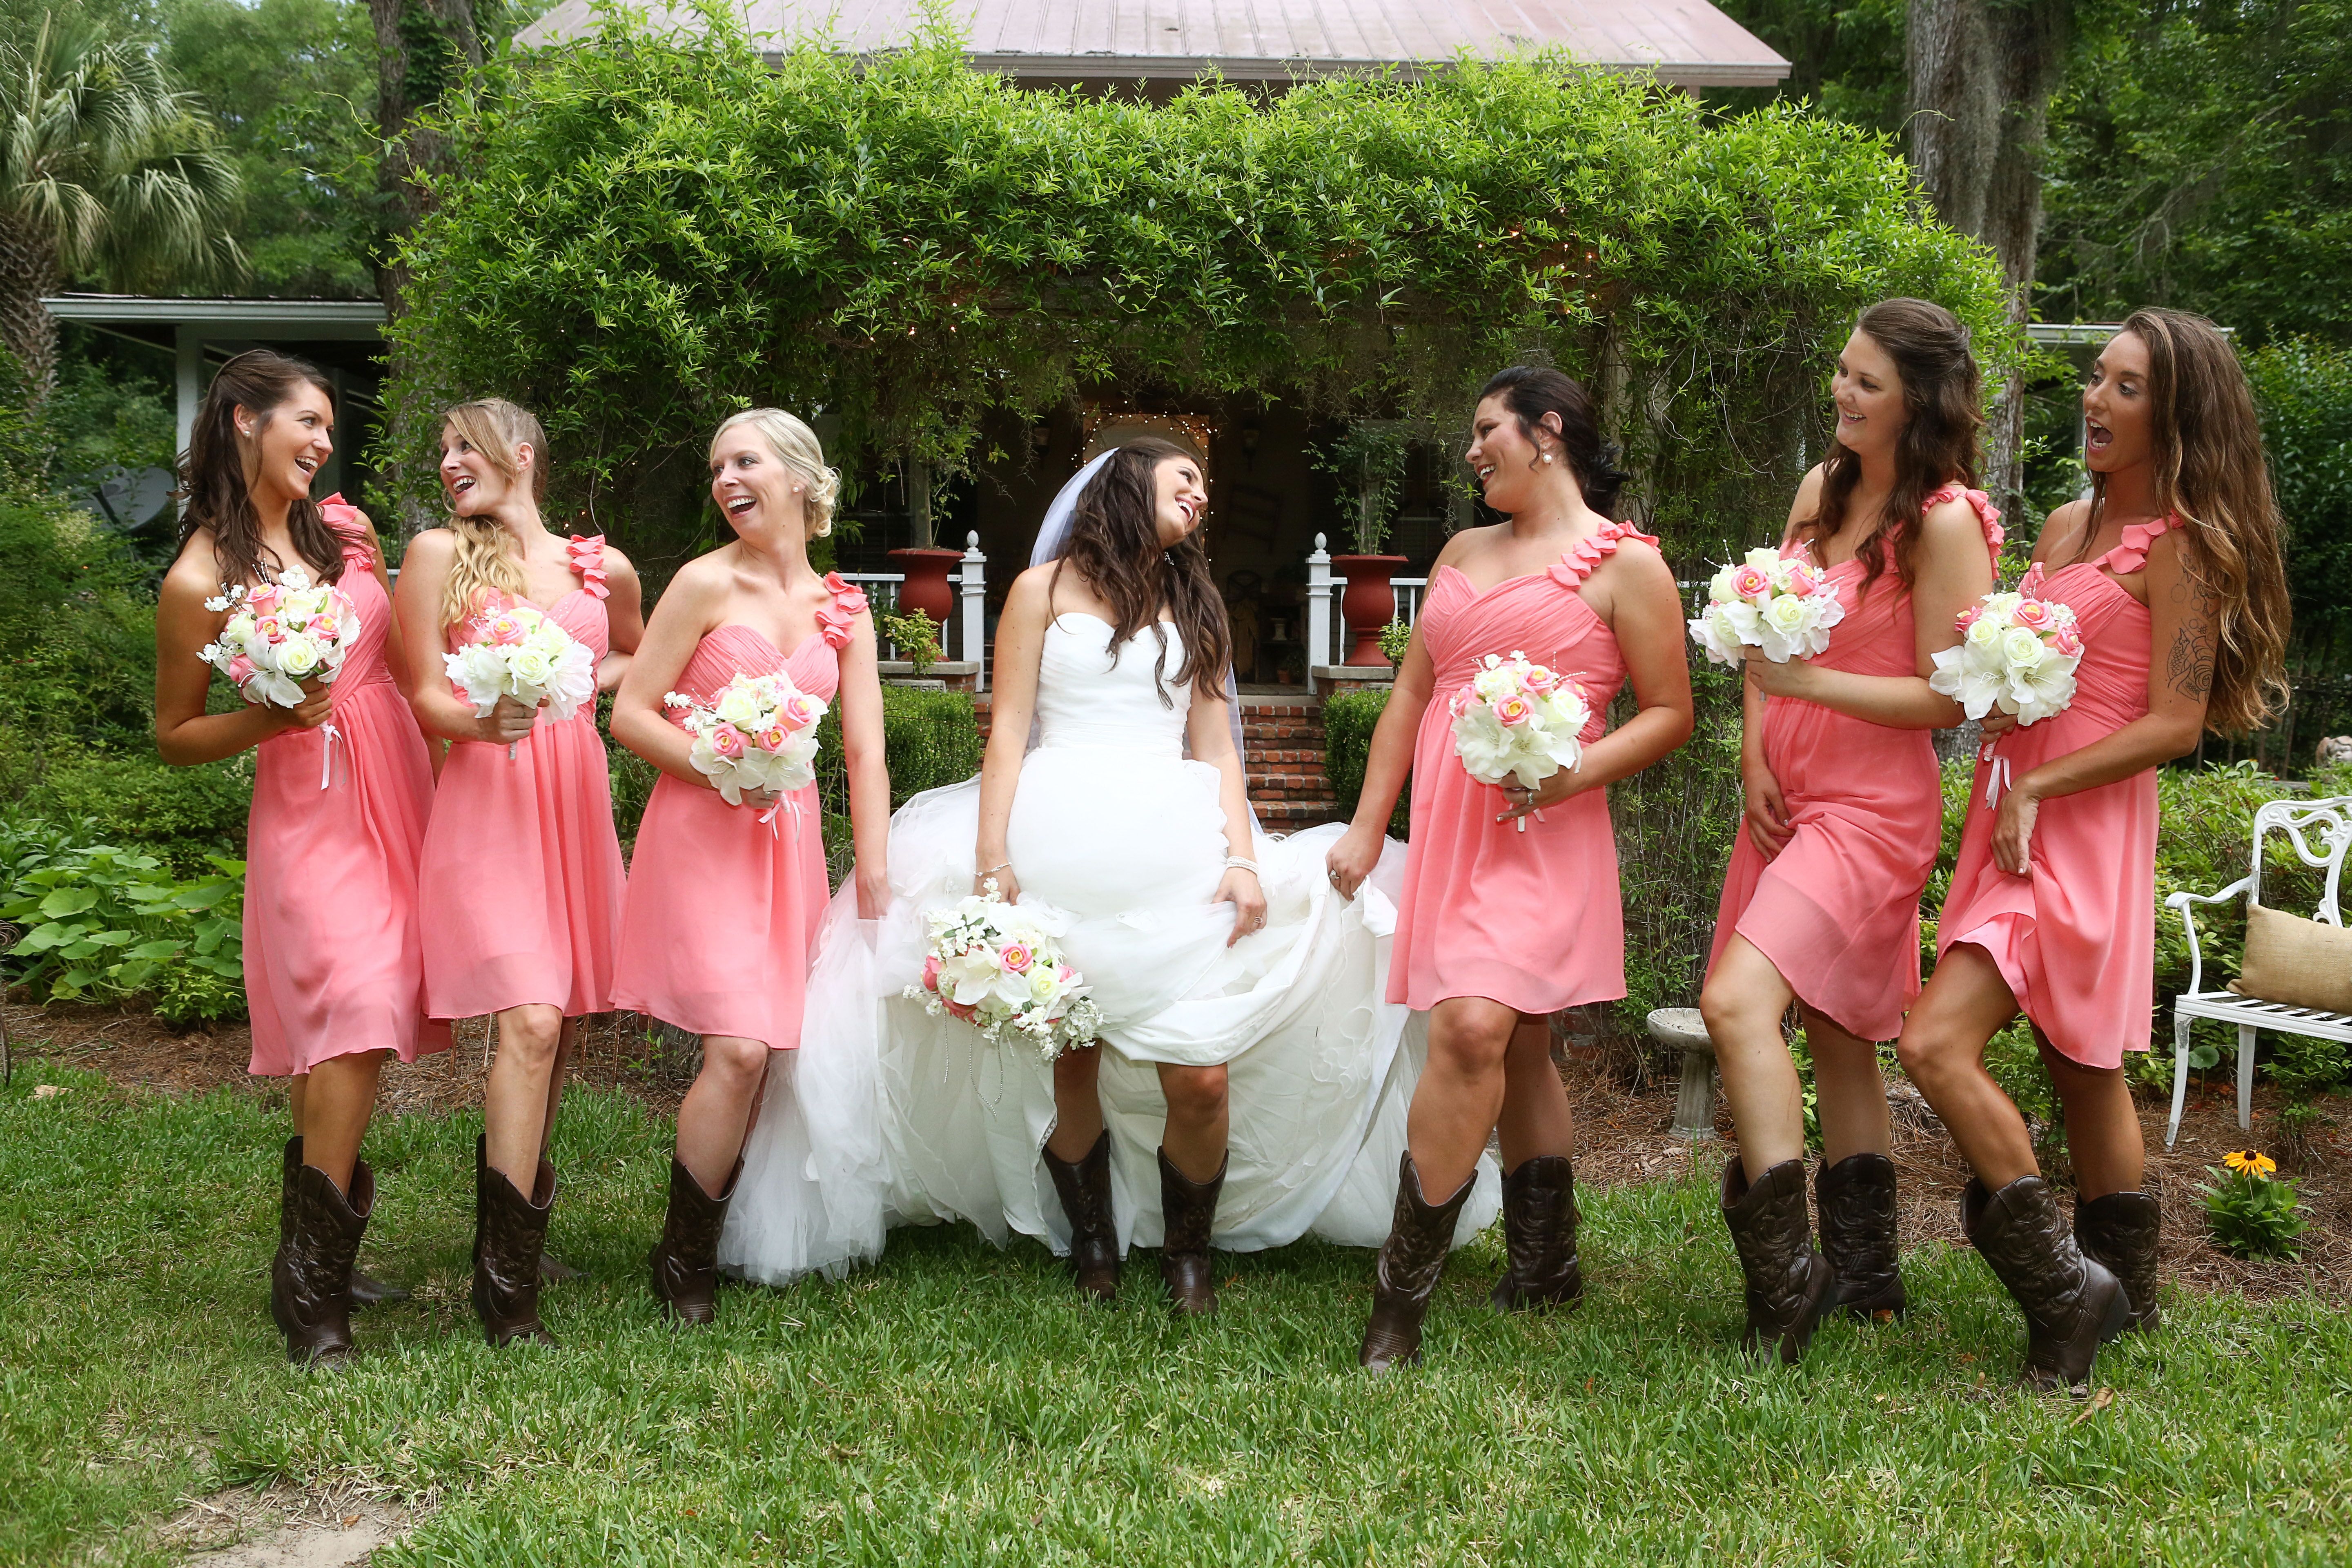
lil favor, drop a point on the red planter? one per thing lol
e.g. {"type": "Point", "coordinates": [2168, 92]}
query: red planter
{"type": "Point", "coordinates": [926, 587]}
{"type": "Point", "coordinates": [1368, 603]}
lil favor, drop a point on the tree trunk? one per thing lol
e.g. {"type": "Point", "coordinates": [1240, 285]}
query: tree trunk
{"type": "Point", "coordinates": [423, 49]}
{"type": "Point", "coordinates": [28, 271]}
{"type": "Point", "coordinates": [1981, 75]}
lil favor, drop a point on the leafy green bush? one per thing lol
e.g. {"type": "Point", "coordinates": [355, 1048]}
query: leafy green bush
{"type": "Point", "coordinates": [929, 739]}
{"type": "Point", "coordinates": [102, 922]}
{"type": "Point", "coordinates": [1675, 824]}
{"type": "Point", "coordinates": [912, 636]}
{"type": "Point", "coordinates": [184, 815]}
{"type": "Point", "coordinates": [77, 638]}
{"type": "Point", "coordinates": [1349, 719]}
{"type": "Point", "coordinates": [2252, 1212]}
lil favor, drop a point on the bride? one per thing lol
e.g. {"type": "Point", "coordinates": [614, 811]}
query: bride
{"type": "Point", "coordinates": [1248, 1086]}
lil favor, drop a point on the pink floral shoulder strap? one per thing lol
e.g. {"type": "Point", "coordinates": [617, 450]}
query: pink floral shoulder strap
{"type": "Point", "coordinates": [1988, 515]}
{"type": "Point", "coordinates": [837, 622]}
{"type": "Point", "coordinates": [343, 518]}
{"type": "Point", "coordinates": [2131, 554]}
{"type": "Point", "coordinates": [1572, 568]}
{"type": "Point", "coordinates": [588, 559]}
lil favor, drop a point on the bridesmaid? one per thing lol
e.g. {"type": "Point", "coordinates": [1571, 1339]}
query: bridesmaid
{"type": "Point", "coordinates": [1820, 906]}
{"type": "Point", "coordinates": [2173, 567]}
{"type": "Point", "coordinates": [1497, 929]}
{"type": "Point", "coordinates": [724, 901]}
{"type": "Point", "coordinates": [521, 882]}
{"type": "Point", "coordinates": [342, 789]}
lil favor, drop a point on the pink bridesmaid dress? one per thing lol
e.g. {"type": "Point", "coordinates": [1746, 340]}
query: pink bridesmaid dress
{"type": "Point", "coordinates": [1530, 920]}
{"type": "Point", "coordinates": [522, 870]}
{"type": "Point", "coordinates": [2075, 937]}
{"type": "Point", "coordinates": [333, 958]}
{"type": "Point", "coordinates": [725, 900]}
{"type": "Point", "coordinates": [1837, 911]}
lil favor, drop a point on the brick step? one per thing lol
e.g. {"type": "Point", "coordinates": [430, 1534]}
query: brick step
{"type": "Point", "coordinates": [1287, 814]}
{"type": "Point", "coordinates": [1256, 757]}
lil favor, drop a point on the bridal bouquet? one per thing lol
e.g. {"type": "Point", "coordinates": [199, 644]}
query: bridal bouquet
{"type": "Point", "coordinates": [758, 733]}
{"type": "Point", "coordinates": [520, 653]}
{"type": "Point", "coordinates": [1518, 719]}
{"type": "Point", "coordinates": [2018, 652]}
{"type": "Point", "coordinates": [281, 634]}
{"type": "Point", "coordinates": [1781, 603]}
{"type": "Point", "coordinates": [995, 965]}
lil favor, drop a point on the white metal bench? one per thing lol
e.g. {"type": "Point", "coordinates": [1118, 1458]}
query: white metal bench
{"type": "Point", "coordinates": [2329, 824]}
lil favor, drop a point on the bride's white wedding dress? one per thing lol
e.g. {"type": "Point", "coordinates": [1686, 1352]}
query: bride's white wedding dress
{"type": "Point", "coordinates": [888, 1115]}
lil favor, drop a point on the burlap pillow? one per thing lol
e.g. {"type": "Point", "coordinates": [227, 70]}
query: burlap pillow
{"type": "Point", "coordinates": [2295, 962]}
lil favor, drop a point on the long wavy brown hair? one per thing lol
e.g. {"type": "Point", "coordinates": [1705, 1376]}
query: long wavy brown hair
{"type": "Point", "coordinates": [1942, 396]}
{"type": "Point", "coordinates": [212, 471]}
{"type": "Point", "coordinates": [2206, 445]}
{"type": "Point", "coordinates": [1115, 546]}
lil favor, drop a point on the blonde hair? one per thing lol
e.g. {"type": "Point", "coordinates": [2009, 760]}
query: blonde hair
{"type": "Point", "coordinates": [498, 430]}
{"type": "Point", "coordinates": [796, 447]}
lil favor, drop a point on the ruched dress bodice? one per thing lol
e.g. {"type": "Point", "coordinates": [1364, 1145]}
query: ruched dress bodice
{"type": "Point", "coordinates": [1089, 698]}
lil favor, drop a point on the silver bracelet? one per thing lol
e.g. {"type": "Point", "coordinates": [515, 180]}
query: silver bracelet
{"type": "Point", "coordinates": [1000, 866]}
{"type": "Point", "coordinates": [1242, 863]}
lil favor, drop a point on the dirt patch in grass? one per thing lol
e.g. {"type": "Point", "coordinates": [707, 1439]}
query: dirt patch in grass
{"type": "Point", "coordinates": [284, 1527]}
{"type": "Point", "coordinates": [1622, 1125]}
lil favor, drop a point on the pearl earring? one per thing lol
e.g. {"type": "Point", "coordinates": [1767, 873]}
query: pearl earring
{"type": "Point", "coordinates": [1547, 455]}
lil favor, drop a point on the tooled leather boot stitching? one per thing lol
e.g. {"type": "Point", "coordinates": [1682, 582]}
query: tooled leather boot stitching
{"type": "Point", "coordinates": [685, 1261]}
{"type": "Point", "coordinates": [1856, 1199]}
{"type": "Point", "coordinates": [1406, 1275]}
{"type": "Point", "coordinates": [2123, 1232]}
{"type": "Point", "coordinates": [309, 1280]}
{"type": "Point", "coordinates": [2072, 1303]}
{"type": "Point", "coordinates": [366, 1289]}
{"type": "Point", "coordinates": [1189, 1210]}
{"type": "Point", "coordinates": [1540, 1221]}
{"type": "Point", "coordinates": [510, 1231]}
{"type": "Point", "coordinates": [1084, 1187]}
{"type": "Point", "coordinates": [1771, 1228]}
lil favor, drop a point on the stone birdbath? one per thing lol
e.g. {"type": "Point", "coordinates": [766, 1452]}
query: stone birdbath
{"type": "Point", "coordinates": [1681, 1029]}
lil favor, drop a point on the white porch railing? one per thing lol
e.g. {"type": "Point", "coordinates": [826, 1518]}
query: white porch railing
{"type": "Point", "coordinates": [965, 636]}
{"type": "Point", "coordinates": [1330, 638]}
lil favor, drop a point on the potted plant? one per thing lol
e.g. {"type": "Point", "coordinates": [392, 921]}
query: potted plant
{"type": "Point", "coordinates": [1369, 463]}
{"type": "Point", "coordinates": [926, 589]}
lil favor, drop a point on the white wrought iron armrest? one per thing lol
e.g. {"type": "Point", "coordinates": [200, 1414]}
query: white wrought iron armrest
{"type": "Point", "coordinates": [2181, 901]}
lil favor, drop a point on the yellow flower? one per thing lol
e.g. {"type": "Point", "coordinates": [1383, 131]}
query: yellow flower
{"type": "Point", "coordinates": [2252, 1161]}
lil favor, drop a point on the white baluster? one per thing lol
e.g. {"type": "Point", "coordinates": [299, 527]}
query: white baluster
{"type": "Point", "coordinates": [1318, 610]}
{"type": "Point", "coordinates": [973, 609]}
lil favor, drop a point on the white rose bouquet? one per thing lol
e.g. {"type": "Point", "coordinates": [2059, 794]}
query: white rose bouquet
{"type": "Point", "coordinates": [281, 634]}
{"type": "Point", "coordinates": [1518, 719]}
{"type": "Point", "coordinates": [995, 966]}
{"type": "Point", "coordinates": [1782, 605]}
{"type": "Point", "coordinates": [758, 733]}
{"type": "Point", "coordinates": [2017, 653]}
{"type": "Point", "coordinates": [520, 653]}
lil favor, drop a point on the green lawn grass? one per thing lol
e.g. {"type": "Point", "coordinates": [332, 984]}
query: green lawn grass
{"type": "Point", "coordinates": [957, 1404]}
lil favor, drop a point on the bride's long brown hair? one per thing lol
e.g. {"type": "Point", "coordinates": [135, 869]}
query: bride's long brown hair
{"type": "Point", "coordinates": [1114, 545]}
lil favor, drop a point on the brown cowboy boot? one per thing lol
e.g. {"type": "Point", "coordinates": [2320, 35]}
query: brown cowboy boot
{"type": "Point", "coordinates": [685, 1261]}
{"type": "Point", "coordinates": [1772, 1230]}
{"type": "Point", "coordinates": [1856, 1200]}
{"type": "Point", "coordinates": [1188, 1208]}
{"type": "Point", "coordinates": [2122, 1231]}
{"type": "Point", "coordinates": [309, 1280]}
{"type": "Point", "coordinates": [2072, 1303]}
{"type": "Point", "coordinates": [510, 1231]}
{"type": "Point", "coordinates": [366, 1289]}
{"type": "Point", "coordinates": [1405, 1276]}
{"type": "Point", "coordinates": [1539, 1226]}
{"type": "Point", "coordinates": [1085, 1190]}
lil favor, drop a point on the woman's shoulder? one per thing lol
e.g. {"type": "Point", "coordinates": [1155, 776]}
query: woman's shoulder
{"type": "Point", "coordinates": [195, 571]}
{"type": "Point", "coordinates": [430, 546]}
{"type": "Point", "coordinates": [2062, 531]}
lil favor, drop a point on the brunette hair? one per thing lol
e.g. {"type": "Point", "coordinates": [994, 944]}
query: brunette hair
{"type": "Point", "coordinates": [1942, 395]}
{"type": "Point", "coordinates": [1114, 545]}
{"type": "Point", "coordinates": [1530, 392]}
{"type": "Point", "coordinates": [2205, 444]}
{"type": "Point", "coordinates": [482, 565]}
{"type": "Point", "coordinates": [796, 447]}
{"type": "Point", "coordinates": [212, 472]}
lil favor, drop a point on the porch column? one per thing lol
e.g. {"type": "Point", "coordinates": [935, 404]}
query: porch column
{"type": "Point", "coordinates": [973, 609]}
{"type": "Point", "coordinates": [1318, 611]}
{"type": "Point", "coordinates": [188, 386]}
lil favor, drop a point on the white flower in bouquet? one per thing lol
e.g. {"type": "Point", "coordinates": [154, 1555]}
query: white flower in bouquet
{"type": "Point", "coordinates": [1517, 720]}
{"type": "Point", "coordinates": [2017, 653]}
{"type": "Point", "coordinates": [521, 653]}
{"type": "Point", "coordinates": [1782, 605]}
{"type": "Point", "coordinates": [997, 967]}
{"type": "Point", "coordinates": [280, 635]}
{"type": "Point", "coordinates": [760, 733]}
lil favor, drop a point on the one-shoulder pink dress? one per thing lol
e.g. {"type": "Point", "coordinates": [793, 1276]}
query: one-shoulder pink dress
{"type": "Point", "coordinates": [725, 900]}
{"type": "Point", "coordinates": [333, 958]}
{"type": "Point", "coordinates": [522, 869]}
{"type": "Point", "coordinates": [2075, 937]}
{"type": "Point", "coordinates": [1530, 920]}
{"type": "Point", "coordinates": [1837, 911]}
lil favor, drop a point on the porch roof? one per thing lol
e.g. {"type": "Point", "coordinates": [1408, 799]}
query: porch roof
{"type": "Point", "coordinates": [1687, 43]}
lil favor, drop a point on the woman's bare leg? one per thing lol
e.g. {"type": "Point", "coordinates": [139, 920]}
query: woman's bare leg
{"type": "Point", "coordinates": [1078, 1107]}
{"type": "Point", "coordinates": [1198, 1119]}
{"type": "Point", "coordinates": [1460, 1097]}
{"type": "Point", "coordinates": [1743, 1003]}
{"type": "Point", "coordinates": [1966, 1004]}
{"type": "Point", "coordinates": [716, 1115]}
{"type": "Point", "coordinates": [1536, 1119]}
